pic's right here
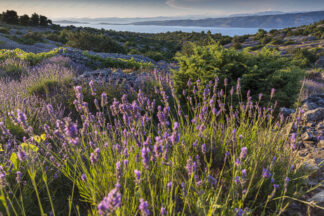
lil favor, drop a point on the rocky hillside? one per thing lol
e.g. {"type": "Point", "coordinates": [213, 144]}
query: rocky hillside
{"type": "Point", "coordinates": [266, 21]}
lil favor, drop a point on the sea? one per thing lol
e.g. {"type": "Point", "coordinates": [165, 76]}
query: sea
{"type": "Point", "coordinates": [230, 31]}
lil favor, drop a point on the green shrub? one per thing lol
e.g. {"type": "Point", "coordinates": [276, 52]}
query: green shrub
{"type": "Point", "coordinates": [31, 58]}
{"type": "Point", "coordinates": [29, 38]}
{"type": "Point", "coordinates": [237, 45]}
{"type": "Point", "coordinates": [259, 73]}
{"type": "Point", "coordinates": [155, 55]}
{"type": "Point", "coordinates": [44, 88]}
{"type": "Point", "coordinates": [97, 61]}
{"type": "Point", "coordinates": [4, 30]}
{"type": "Point", "coordinates": [265, 40]}
{"type": "Point", "coordinates": [303, 57]}
{"type": "Point", "coordinates": [95, 42]}
{"type": "Point", "coordinates": [276, 41]}
{"type": "Point", "coordinates": [260, 34]}
{"type": "Point", "coordinates": [13, 69]}
{"type": "Point", "coordinates": [289, 42]}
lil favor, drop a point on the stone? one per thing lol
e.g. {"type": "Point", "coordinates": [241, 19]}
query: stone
{"type": "Point", "coordinates": [318, 198]}
{"type": "Point", "coordinates": [320, 62]}
{"type": "Point", "coordinates": [307, 136]}
{"type": "Point", "coordinates": [314, 115]}
{"type": "Point", "coordinates": [313, 102]}
{"type": "Point", "coordinates": [286, 111]}
{"type": "Point", "coordinates": [320, 144]}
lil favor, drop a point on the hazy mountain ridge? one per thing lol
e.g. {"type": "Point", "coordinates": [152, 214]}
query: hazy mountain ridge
{"type": "Point", "coordinates": [265, 21]}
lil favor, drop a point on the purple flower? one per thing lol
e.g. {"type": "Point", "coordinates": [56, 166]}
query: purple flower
{"type": "Point", "coordinates": [237, 162]}
{"type": "Point", "coordinates": [145, 153]}
{"type": "Point", "coordinates": [163, 211]}
{"type": "Point", "coordinates": [19, 177]}
{"type": "Point", "coordinates": [83, 177]}
{"type": "Point", "coordinates": [266, 173]}
{"type": "Point", "coordinates": [191, 166]}
{"type": "Point", "coordinates": [21, 117]}
{"type": "Point", "coordinates": [175, 126]}
{"type": "Point", "coordinates": [118, 171]}
{"type": "Point", "coordinates": [144, 207]}
{"type": "Point", "coordinates": [243, 173]}
{"type": "Point", "coordinates": [203, 148]}
{"type": "Point", "coordinates": [169, 185]}
{"type": "Point", "coordinates": [110, 203]}
{"type": "Point", "coordinates": [275, 186]}
{"type": "Point", "coordinates": [272, 92]}
{"type": "Point", "coordinates": [237, 180]}
{"type": "Point", "coordinates": [78, 92]}
{"type": "Point", "coordinates": [238, 85]}
{"type": "Point", "coordinates": [92, 88]}
{"type": "Point", "coordinates": [239, 212]}
{"type": "Point", "coordinates": [71, 129]}
{"type": "Point", "coordinates": [287, 180]}
{"type": "Point", "coordinates": [104, 100]}
{"type": "Point", "coordinates": [21, 155]}
{"type": "Point", "coordinates": [137, 176]}
{"type": "Point", "coordinates": [243, 152]}
{"type": "Point", "coordinates": [260, 96]}
{"type": "Point", "coordinates": [212, 180]}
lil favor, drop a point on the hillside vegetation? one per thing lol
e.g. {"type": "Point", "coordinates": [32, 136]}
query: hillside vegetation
{"type": "Point", "coordinates": [87, 132]}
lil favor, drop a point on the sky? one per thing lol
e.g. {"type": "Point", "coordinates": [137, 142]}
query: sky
{"type": "Point", "coordinates": [153, 8]}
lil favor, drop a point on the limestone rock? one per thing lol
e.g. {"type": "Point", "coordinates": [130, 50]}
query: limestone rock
{"type": "Point", "coordinates": [314, 115]}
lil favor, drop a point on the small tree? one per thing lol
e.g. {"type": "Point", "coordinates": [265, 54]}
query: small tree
{"type": "Point", "coordinates": [24, 20]}
{"type": "Point", "coordinates": [35, 19]}
{"type": "Point", "coordinates": [43, 21]}
{"type": "Point", "coordinates": [10, 17]}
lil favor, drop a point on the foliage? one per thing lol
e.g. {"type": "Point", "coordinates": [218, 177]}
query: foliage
{"type": "Point", "coordinates": [116, 63]}
{"type": "Point", "coordinates": [95, 42]}
{"type": "Point", "coordinates": [303, 57]}
{"type": "Point", "coordinates": [147, 158]}
{"type": "Point", "coordinates": [12, 69]}
{"type": "Point", "coordinates": [259, 72]}
{"type": "Point", "coordinates": [34, 19]}
{"type": "Point", "coordinates": [4, 30]}
{"type": "Point", "coordinates": [10, 17]}
{"type": "Point", "coordinates": [24, 20]}
{"type": "Point", "coordinates": [29, 38]}
{"type": "Point", "coordinates": [31, 58]}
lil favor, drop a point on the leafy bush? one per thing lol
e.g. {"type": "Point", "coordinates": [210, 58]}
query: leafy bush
{"type": "Point", "coordinates": [95, 42]}
{"type": "Point", "coordinates": [116, 63]}
{"type": "Point", "coordinates": [259, 73]}
{"type": "Point", "coordinates": [260, 34]}
{"type": "Point", "coordinates": [303, 57]}
{"type": "Point", "coordinates": [4, 30]}
{"type": "Point", "coordinates": [265, 40]}
{"type": "Point", "coordinates": [29, 57]}
{"type": "Point", "coordinates": [12, 68]}
{"type": "Point", "coordinates": [29, 38]}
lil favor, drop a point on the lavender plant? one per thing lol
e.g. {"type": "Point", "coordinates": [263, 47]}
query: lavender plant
{"type": "Point", "coordinates": [150, 155]}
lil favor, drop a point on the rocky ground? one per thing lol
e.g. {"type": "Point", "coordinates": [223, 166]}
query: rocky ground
{"type": "Point", "coordinates": [311, 153]}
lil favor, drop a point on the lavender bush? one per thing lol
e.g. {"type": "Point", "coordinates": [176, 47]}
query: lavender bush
{"type": "Point", "coordinates": [144, 155]}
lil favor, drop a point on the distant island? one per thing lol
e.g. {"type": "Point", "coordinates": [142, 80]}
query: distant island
{"type": "Point", "coordinates": [255, 21]}
{"type": "Point", "coordinates": [70, 22]}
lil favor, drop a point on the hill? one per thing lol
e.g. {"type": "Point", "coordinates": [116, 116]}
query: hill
{"type": "Point", "coordinates": [266, 21]}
